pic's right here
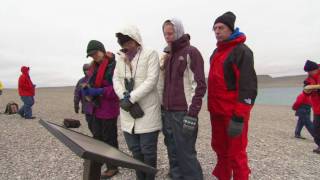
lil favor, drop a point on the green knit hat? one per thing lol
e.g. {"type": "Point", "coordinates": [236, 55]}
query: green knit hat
{"type": "Point", "coordinates": [94, 46]}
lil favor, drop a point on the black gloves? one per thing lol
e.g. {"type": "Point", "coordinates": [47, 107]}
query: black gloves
{"type": "Point", "coordinates": [125, 104]}
{"type": "Point", "coordinates": [134, 109]}
{"type": "Point", "coordinates": [236, 126]}
{"type": "Point", "coordinates": [190, 125]}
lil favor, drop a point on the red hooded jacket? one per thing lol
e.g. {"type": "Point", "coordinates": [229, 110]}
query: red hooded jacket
{"type": "Point", "coordinates": [232, 81]}
{"type": "Point", "coordinates": [302, 99]}
{"type": "Point", "coordinates": [314, 95]}
{"type": "Point", "coordinates": [25, 86]}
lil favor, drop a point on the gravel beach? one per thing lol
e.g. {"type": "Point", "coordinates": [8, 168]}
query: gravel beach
{"type": "Point", "coordinates": [29, 151]}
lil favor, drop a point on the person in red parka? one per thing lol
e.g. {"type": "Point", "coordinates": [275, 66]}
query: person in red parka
{"type": "Point", "coordinates": [302, 108]}
{"type": "Point", "coordinates": [312, 68]}
{"type": "Point", "coordinates": [26, 91]}
{"type": "Point", "coordinates": [232, 90]}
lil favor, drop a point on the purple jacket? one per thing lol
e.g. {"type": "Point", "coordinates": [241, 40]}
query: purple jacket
{"type": "Point", "coordinates": [108, 107]}
{"type": "Point", "coordinates": [184, 80]}
{"type": "Point", "coordinates": [78, 97]}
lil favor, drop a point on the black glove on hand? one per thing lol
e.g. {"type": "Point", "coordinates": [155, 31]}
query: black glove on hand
{"type": "Point", "coordinates": [136, 111]}
{"type": "Point", "coordinates": [189, 126]}
{"type": "Point", "coordinates": [76, 109]}
{"type": "Point", "coordinates": [236, 126]}
{"type": "Point", "coordinates": [125, 104]}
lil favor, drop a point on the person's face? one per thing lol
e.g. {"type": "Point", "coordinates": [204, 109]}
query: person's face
{"type": "Point", "coordinates": [129, 46]}
{"type": "Point", "coordinates": [222, 32]}
{"type": "Point", "coordinates": [97, 56]}
{"type": "Point", "coordinates": [314, 72]}
{"type": "Point", "coordinates": [169, 34]}
{"type": "Point", "coordinates": [86, 71]}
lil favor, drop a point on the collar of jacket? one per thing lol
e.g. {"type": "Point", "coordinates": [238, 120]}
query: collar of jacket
{"type": "Point", "coordinates": [229, 43]}
{"type": "Point", "coordinates": [180, 43]}
{"type": "Point", "coordinates": [316, 76]}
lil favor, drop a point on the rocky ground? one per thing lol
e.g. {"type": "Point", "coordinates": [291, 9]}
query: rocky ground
{"type": "Point", "coordinates": [29, 151]}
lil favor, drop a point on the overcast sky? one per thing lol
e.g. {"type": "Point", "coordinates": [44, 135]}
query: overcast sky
{"type": "Point", "coordinates": [51, 36]}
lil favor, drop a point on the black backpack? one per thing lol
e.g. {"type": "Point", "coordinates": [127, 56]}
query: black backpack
{"type": "Point", "coordinates": [71, 123]}
{"type": "Point", "coordinates": [12, 108]}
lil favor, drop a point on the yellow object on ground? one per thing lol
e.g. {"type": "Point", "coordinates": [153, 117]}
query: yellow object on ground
{"type": "Point", "coordinates": [1, 86]}
{"type": "Point", "coordinates": [312, 87]}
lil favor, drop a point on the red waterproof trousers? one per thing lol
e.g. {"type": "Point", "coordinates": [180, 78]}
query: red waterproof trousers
{"type": "Point", "coordinates": [231, 152]}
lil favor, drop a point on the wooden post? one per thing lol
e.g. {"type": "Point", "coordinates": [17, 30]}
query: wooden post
{"type": "Point", "coordinates": [91, 170]}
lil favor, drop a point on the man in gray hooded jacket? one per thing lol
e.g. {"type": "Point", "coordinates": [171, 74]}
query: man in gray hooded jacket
{"type": "Point", "coordinates": [182, 92]}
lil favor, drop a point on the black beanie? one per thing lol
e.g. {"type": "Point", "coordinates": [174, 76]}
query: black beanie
{"type": "Point", "coordinates": [228, 19]}
{"type": "Point", "coordinates": [310, 66]}
{"type": "Point", "coordinates": [94, 46]}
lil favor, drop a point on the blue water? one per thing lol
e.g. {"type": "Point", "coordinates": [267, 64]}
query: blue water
{"type": "Point", "coordinates": [278, 96]}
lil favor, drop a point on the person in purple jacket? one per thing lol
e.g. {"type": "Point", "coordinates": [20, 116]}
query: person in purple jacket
{"type": "Point", "coordinates": [78, 97]}
{"type": "Point", "coordinates": [182, 91]}
{"type": "Point", "coordinates": [103, 103]}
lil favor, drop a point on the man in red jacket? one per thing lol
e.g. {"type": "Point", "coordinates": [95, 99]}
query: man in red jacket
{"type": "Point", "coordinates": [232, 90]}
{"type": "Point", "coordinates": [313, 71]}
{"type": "Point", "coordinates": [26, 91]}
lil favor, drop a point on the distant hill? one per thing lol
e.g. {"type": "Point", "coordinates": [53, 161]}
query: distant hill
{"type": "Point", "coordinates": [266, 81]}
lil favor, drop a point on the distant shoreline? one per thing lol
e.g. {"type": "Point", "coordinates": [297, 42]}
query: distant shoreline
{"type": "Point", "coordinates": [264, 81]}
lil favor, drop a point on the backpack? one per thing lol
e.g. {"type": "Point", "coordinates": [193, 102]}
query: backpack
{"type": "Point", "coordinates": [12, 108]}
{"type": "Point", "coordinates": [71, 123]}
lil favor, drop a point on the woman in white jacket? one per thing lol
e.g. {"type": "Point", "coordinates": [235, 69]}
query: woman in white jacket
{"type": "Point", "coordinates": [135, 82]}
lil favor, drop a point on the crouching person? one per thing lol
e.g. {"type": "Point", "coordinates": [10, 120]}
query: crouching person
{"type": "Point", "coordinates": [135, 82]}
{"type": "Point", "coordinates": [102, 108]}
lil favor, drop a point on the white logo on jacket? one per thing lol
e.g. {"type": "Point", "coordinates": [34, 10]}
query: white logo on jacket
{"type": "Point", "coordinates": [181, 58]}
{"type": "Point", "coordinates": [248, 101]}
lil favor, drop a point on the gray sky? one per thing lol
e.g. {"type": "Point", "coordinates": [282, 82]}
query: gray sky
{"type": "Point", "coordinates": [51, 36]}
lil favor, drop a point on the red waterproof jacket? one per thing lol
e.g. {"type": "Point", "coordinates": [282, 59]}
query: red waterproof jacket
{"type": "Point", "coordinates": [25, 85]}
{"type": "Point", "coordinates": [314, 95]}
{"type": "Point", "coordinates": [302, 99]}
{"type": "Point", "coordinates": [232, 81]}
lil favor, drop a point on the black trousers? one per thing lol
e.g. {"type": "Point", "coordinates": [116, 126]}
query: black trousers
{"type": "Point", "coordinates": [104, 130]}
{"type": "Point", "coordinates": [316, 132]}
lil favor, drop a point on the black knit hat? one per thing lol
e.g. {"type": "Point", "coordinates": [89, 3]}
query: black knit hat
{"type": "Point", "coordinates": [94, 46]}
{"type": "Point", "coordinates": [228, 19]}
{"type": "Point", "coordinates": [310, 66]}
